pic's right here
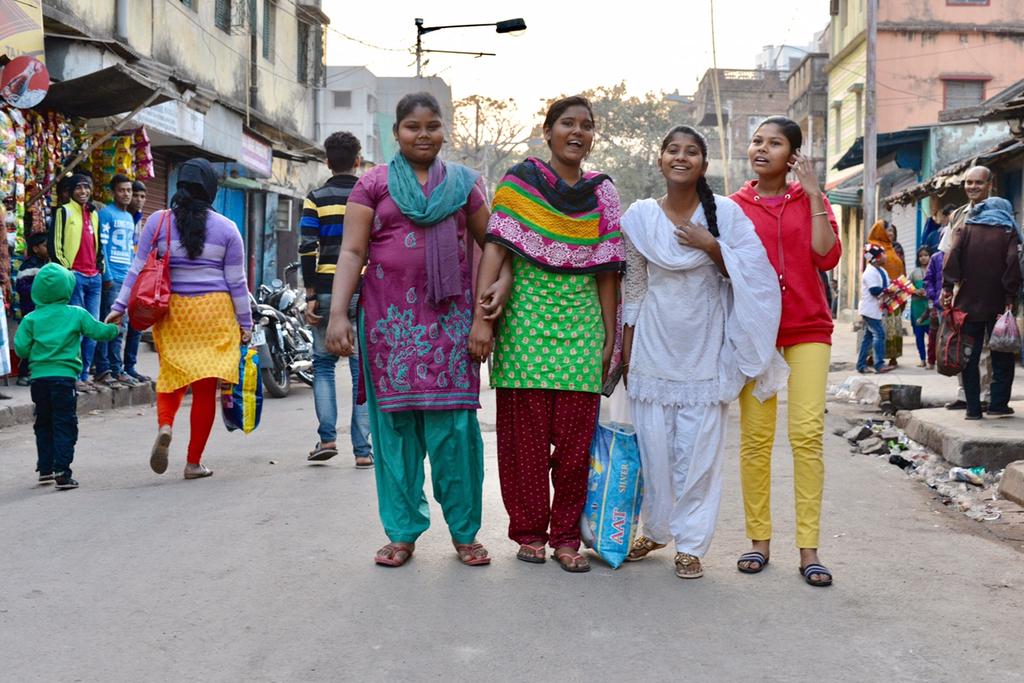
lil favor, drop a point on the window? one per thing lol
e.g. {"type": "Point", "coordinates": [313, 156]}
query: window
{"type": "Point", "coordinates": [191, 4]}
{"type": "Point", "coordinates": [961, 93]}
{"type": "Point", "coordinates": [342, 99]}
{"type": "Point", "coordinates": [269, 28]}
{"type": "Point", "coordinates": [302, 58]}
{"type": "Point", "coordinates": [844, 13]}
{"type": "Point", "coordinates": [284, 218]}
{"type": "Point", "coordinates": [753, 121]}
{"type": "Point", "coordinates": [222, 15]}
{"type": "Point", "coordinates": [371, 104]}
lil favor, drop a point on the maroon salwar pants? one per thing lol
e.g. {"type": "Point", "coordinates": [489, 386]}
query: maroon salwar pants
{"type": "Point", "coordinates": [530, 422]}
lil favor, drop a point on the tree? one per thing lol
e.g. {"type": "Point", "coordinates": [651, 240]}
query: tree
{"type": "Point", "coordinates": [628, 141]}
{"type": "Point", "coordinates": [486, 136]}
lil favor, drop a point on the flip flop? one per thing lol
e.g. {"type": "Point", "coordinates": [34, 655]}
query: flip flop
{"type": "Point", "coordinates": [364, 466]}
{"type": "Point", "coordinates": [808, 571]}
{"type": "Point", "coordinates": [760, 558]}
{"type": "Point", "coordinates": [573, 567]}
{"type": "Point", "coordinates": [319, 453]}
{"type": "Point", "coordinates": [388, 556]}
{"type": "Point", "coordinates": [531, 553]}
{"type": "Point", "coordinates": [476, 552]}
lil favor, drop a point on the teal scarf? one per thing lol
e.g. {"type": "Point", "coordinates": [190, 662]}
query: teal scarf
{"type": "Point", "coordinates": [434, 206]}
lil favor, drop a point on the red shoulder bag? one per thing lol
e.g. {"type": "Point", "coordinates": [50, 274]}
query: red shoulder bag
{"type": "Point", "coordinates": [151, 294]}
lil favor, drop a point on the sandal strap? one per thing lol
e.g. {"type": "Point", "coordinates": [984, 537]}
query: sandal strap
{"type": "Point", "coordinates": [816, 569]}
{"type": "Point", "coordinates": [753, 556]}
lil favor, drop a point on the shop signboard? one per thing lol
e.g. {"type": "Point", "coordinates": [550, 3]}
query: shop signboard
{"type": "Point", "coordinates": [24, 82]}
{"type": "Point", "coordinates": [256, 155]}
{"type": "Point", "coordinates": [175, 119]}
{"type": "Point", "coordinates": [21, 28]}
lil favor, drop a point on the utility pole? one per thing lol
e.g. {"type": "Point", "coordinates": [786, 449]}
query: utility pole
{"type": "Point", "coordinates": [870, 126]}
{"type": "Point", "coordinates": [718, 105]}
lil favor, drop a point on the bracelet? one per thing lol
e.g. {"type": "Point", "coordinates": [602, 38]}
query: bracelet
{"type": "Point", "coordinates": [820, 213]}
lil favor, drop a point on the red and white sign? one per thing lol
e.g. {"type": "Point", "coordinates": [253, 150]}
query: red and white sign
{"type": "Point", "coordinates": [256, 155]}
{"type": "Point", "coordinates": [24, 82]}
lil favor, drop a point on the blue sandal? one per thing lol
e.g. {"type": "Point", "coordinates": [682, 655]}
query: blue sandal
{"type": "Point", "coordinates": [754, 556]}
{"type": "Point", "coordinates": [812, 569]}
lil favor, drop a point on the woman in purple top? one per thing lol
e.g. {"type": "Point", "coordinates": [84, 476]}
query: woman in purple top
{"type": "Point", "coordinates": [198, 338]}
{"type": "Point", "coordinates": [409, 222]}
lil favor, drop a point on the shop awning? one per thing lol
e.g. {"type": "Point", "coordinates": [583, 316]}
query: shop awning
{"type": "Point", "coordinates": [241, 183]}
{"type": "Point", "coordinates": [953, 174]}
{"type": "Point", "coordinates": [850, 192]}
{"type": "Point", "coordinates": [114, 90]}
{"type": "Point", "coordinates": [887, 144]}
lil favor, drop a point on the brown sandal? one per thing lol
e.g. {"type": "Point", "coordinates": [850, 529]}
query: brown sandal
{"type": "Point", "coordinates": [531, 553]}
{"type": "Point", "coordinates": [688, 566]}
{"type": "Point", "coordinates": [577, 564]}
{"type": "Point", "coordinates": [394, 554]}
{"type": "Point", "coordinates": [642, 547]}
{"type": "Point", "coordinates": [472, 554]}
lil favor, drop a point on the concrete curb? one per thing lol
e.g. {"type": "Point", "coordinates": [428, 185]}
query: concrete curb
{"type": "Point", "coordinates": [956, 448]}
{"type": "Point", "coordinates": [104, 399]}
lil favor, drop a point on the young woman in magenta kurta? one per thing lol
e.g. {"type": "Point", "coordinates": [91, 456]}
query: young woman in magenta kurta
{"type": "Point", "coordinates": [559, 226]}
{"type": "Point", "coordinates": [800, 236]}
{"type": "Point", "coordinates": [409, 222]}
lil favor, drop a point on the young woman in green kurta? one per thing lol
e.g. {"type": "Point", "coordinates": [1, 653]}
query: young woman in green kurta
{"type": "Point", "coordinates": [560, 226]}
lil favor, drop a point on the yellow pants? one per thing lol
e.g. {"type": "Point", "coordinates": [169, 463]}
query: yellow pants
{"type": "Point", "coordinates": [808, 364]}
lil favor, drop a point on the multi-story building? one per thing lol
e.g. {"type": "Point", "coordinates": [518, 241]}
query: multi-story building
{"type": "Point", "coordinates": [232, 80]}
{"type": "Point", "coordinates": [808, 105]}
{"type": "Point", "coordinates": [747, 96]}
{"type": "Point", "coordinates": [362, 103]}
{"type": "Point", "coordinates": [932, 56]}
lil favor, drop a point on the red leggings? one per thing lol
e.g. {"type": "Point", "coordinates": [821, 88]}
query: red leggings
{"type": "Point", "coordinates": [204, 409]}
{"type": "Point", "coordinates": [530, 422]}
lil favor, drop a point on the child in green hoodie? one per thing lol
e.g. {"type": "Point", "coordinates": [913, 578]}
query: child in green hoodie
{"type": "Point", "coordinates": [50, 337]}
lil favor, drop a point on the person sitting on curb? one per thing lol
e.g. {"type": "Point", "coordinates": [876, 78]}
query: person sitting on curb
{"type": "Point", "coordinates": [984, 268]}
{"type": "Point", "coordinates": [873, 282]}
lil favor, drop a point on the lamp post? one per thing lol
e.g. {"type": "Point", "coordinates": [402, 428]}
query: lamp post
{"type": "Point", "coordinates": [507, 26]}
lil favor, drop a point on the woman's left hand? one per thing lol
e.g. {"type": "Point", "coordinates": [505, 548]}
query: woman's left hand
{"type": "Point", "coordinates": [803, 168]}
{"type": "Point", "coordinates": [689, 234]}
{"type": "Point", "coordinates": [606, 361]}
{"type": "Point", "coordinates": [246, 335]}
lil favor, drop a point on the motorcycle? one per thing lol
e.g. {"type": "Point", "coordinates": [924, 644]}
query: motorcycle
{"type": "Point", "coordinates": [281, 336]}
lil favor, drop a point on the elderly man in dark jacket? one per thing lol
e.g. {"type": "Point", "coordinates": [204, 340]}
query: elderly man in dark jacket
{"type": "Point", "coordinates": [983, 264]}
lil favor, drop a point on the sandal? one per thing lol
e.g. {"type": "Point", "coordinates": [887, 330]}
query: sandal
{"type": "Point", "coordinates": [642, 547]}
{"type": "Point", "coordinates": [472, 554]}
{"type": "Point", "coordinates": [531, 553]}
{"type": "Point", "coordinates": [577, 564]}
{"type": "Point", "coordinates": [158, 456]}
{"type": "Point", "coordinates": [364, 462]}
{"type": "Point", "coordinates": [760, 558]}
{"type": "Point", "coordinates": [394, 554]}
{"type": "Point", "coordinates": [320, 453]}
{"type": "Point", "coordinates": [688, 566]}
{"type": "Point", "coordinates": [819, 570]}
{"type": "Point", "coordinates": [197, 471]}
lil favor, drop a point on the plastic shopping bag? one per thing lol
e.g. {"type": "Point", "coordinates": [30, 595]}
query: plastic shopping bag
{"type": "Point", "coordinates": [614, 492]}
{"type": "Point", "coordinates": [1005, 335]}
{"type": "Point", "coordinates": [242, 403]}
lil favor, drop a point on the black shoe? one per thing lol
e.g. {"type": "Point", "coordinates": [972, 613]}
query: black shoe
{"type": "Point", "coordinates": [1000, 412]}
{"type": "Point", "coordinates": [23, 381]}
{"type": "Point", "coordinates": [972, 416]}
{"type": "Point", "coordinates": [64, 482]}
{"type": "Point", "coordinates": [46, 477]}
{"type": "Point", "coordinates": [956, 405]}
{"type": "Point", "coordinates": [984, 406]}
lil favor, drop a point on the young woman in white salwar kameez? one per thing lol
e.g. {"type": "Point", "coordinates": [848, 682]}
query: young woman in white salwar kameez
{"type": "Point", "coordinates": [701, 309]}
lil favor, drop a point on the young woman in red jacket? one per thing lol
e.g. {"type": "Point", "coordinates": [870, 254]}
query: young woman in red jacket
{"type": "Point", "coordinates": [798, 230]}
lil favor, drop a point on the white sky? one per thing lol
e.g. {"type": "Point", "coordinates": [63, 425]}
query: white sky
{"type": "Point", "coordinates": [568, 47]}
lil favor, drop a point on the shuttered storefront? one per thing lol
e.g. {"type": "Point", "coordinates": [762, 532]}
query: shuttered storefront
{"type": "Point", "coordinates": [156, 188]}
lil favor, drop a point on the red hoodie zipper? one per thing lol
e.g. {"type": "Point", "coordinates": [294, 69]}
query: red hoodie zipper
{"type": "Point", "coordinates": [778, 231]}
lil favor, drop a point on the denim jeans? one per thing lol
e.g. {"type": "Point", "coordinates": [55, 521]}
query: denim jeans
{"type": "Point", "coordinates": [1002, 370]}
{"type": "Point", "coordinates": [108, 354]}
{"type": "Point", "coordinates": [325, 399]}
{"type": "Point", "coordinates": [87, 295]}
{"type": "Point", "coordinates": [874, 340]}
{"type": "Point", "coordinates": [56, 423]}
{"type": "Point", "coordinates": [132, 337]}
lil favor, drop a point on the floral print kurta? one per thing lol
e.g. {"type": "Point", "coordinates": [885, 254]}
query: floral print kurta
{"type": "Point", "coordinates": [417, 353]}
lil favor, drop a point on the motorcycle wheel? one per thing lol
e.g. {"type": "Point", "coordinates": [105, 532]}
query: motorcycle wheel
{"type": "Point", "coordinates": [277, 382]}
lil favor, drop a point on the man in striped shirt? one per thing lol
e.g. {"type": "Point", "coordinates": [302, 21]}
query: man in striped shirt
{"type": "Point", "coordinates": [322, 225]}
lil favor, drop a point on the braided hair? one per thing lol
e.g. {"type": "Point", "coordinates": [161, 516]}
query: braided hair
{"type": "Point", "coordinates": [704, 192]}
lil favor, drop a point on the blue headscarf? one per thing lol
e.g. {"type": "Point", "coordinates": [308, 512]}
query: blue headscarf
{"type": "Point", "coordinates": [996, 212]}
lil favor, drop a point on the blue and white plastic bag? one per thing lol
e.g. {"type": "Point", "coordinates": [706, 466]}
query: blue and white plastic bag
{"type": "Point", "coordinates": [614, 491]}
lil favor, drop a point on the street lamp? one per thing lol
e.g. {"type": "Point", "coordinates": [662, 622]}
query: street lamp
{"type": "Point", "coordinates": [507, 26]}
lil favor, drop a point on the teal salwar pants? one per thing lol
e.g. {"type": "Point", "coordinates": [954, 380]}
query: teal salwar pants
{"type": "Point", "coordinates": [452, 441]}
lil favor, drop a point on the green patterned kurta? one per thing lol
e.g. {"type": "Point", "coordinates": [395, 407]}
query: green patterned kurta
{"type": "Point", "coordinates": [552, 334]}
